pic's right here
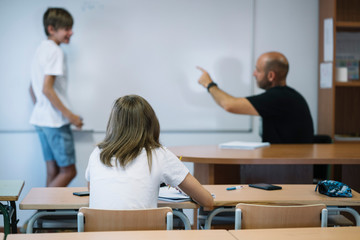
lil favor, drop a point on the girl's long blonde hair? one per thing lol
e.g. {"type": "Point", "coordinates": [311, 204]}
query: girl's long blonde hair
{"type": "Point", "coordinates": [132, 126]}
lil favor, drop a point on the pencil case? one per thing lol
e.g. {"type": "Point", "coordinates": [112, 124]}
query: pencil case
{"type": "Point", "coordinates": [333, 188]}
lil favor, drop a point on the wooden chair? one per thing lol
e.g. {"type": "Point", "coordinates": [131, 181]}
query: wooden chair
{"type": "Point", "coordinates": [90, 219]}
{"type": "Point", "coordinates": [251, 216]}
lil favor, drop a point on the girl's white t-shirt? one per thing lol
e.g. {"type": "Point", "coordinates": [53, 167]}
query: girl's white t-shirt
{"type": "Point", "coordinates": [134, 187]}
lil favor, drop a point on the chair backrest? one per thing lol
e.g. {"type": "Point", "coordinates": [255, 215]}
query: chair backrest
{"type": "Point", "coordinates": [251, 216]}
{"type": "Point", "coordinates": [90, 219]}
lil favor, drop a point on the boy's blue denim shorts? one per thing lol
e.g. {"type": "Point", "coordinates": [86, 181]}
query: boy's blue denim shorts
{"type": "Point", "coordinates": [57, 144]}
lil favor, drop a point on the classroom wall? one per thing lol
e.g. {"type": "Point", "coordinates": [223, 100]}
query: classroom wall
{"type": "Point", "coordinates": [125, 47]}
{"type": "Point", "coordinates": [289, 26]}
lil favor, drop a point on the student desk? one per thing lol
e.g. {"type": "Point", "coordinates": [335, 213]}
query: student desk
{"type": "Point", "coordinates": [10, 191]}
{"type": "Point", "coordinates": [134, 235]}
{"type": "Point", "coordinates": [60, 201]}
{"type": "Point", "coordinates": [213, 165]}
{"type": "Point", "coordinates": [290, 194]}
{"type": "Point", "coordinates": [298, 233]}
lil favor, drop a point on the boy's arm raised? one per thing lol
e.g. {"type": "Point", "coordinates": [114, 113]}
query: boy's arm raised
{"type": "Point", "coordinates": [49, 92]}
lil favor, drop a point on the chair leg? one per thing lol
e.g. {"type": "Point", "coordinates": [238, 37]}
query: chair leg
{"type": "Point", "coordinates": [324, 217]}
{"type": "Point", "coordinates": [237, 219]}
{"type": "Point", "coordinates": [169, 221]}
{"type": "Point", "coordinates": [80, 222]}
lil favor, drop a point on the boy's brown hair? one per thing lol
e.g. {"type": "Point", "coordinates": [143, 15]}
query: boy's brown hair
{"type": "Point", "coordinates": [58, 18]}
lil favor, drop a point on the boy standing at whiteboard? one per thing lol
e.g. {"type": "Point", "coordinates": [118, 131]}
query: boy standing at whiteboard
{"type": "Point", "coordinates": [51, 115]}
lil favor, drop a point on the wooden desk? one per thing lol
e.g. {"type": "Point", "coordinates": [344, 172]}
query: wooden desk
{"type": "Point", "coordinates": [63, 198]}
{"type": "Point", "coordinates": [289, 195]}
{"type": "Point", "coordinates": [134, 235]}
{"type": "Point", "coordinates": [298, 233]}
{"type": "Point", "coordinates": [10, 191]}
{"type": "Point", "coordinates": [213, 165]}
{"type": "Point", "coordinates": [49, 199]}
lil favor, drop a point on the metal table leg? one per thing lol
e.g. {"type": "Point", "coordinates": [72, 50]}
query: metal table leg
{"type": "Point", "coordinates": [183, 218]}
{"type": "Point", "coordinates": [348, 210]}
{"type": "Point", "coordinates": [13, 217]}
{"type": "Point", "coordinates": [40, 214]}
{"type": "Point", "coordinates": [214, 213]}
{"type": "Point", "coordinates": [6, 217]}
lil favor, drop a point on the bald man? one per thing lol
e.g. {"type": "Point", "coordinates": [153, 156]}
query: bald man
{"type": "Point", "coordinates": [285, 114]}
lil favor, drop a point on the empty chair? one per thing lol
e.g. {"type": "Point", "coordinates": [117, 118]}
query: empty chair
{"type": "Point", "coordinates": [251, 216]}
{"type": "Point", "coordinates": [90, 219]}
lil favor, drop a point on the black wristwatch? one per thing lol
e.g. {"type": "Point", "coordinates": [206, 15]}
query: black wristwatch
{"type": "Point", "coordinates": [212, 84]}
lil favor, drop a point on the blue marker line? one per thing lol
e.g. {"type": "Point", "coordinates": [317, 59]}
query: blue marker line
{"type": "Point", "coordinates": [234, 188]}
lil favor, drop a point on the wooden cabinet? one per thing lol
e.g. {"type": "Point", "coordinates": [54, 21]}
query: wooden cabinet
{"type": "Point", "coordinates": [339, 106]}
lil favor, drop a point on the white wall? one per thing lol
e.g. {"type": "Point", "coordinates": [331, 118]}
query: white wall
{"type": "Point", "coordinates": [289, 26]}
{"type": "Point", "coordinates": [139, 47]}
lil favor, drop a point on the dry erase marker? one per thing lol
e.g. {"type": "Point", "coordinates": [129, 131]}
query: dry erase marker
{"type": "Point", "coordinates": [234, 188]}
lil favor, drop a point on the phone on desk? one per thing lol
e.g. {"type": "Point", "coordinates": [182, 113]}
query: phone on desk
{"type": "Point", "coordinates": [265, 186]}
{"type": "Point", "coordinates": [81, 194]}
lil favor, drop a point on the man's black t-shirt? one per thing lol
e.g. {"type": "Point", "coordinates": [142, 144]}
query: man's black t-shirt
{"type": "Point", "coordinates": [285, 115]}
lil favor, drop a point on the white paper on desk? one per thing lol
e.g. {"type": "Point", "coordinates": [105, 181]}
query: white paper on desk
{"type": "Point", "coordinates": [172, 195]}
{"type": "Point", "coordinates": [243, 145]}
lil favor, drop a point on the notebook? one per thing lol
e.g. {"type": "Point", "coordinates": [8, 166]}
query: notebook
{"type": "Point", "coordinates": [172, 195]}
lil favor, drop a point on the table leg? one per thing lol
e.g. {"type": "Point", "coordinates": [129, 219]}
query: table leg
{"type": "Point", "coordinates": [183, 218]}
{"type": "Point", "coordinates": [13, 217]}
{"type": "Point", "coordinates": [216, 212]}
{"type": "Point", "coordinates": [6, 217]}
{"type": "Point", "coordinates": [348, 210]}
{"type": "Point", "coordinates": [40, 214]}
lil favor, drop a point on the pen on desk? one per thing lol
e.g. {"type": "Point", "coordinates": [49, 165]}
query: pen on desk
{"type": "Point", "coordinates": [180, 158]}
{"type": "Point", "coordinates": [234, 188]}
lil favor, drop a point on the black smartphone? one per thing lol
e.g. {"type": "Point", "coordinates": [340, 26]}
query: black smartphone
{"type": "Point", "coordinates": [265, 186]}
{"type": "Point", "coordinates": [84, 193]}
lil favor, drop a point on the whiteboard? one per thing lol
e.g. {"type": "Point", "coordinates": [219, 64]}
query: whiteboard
{"type": "Point", "coordinates": [148, 48]}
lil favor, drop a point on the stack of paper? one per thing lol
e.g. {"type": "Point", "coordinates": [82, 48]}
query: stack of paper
{"type": "Point", "coordinates": [243, 145]}
{"type": "Point", "coordinates": [172, 195]}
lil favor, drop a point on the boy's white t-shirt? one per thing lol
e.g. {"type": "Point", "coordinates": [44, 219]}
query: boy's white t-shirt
{"type": "Point", "coordinates": [49, 59]}
{"type": "Point", "coordinates": [133, 187]}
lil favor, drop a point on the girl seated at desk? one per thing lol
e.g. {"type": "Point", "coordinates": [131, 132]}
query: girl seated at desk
{"type": "Point", "coordinates": [126, 169]}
